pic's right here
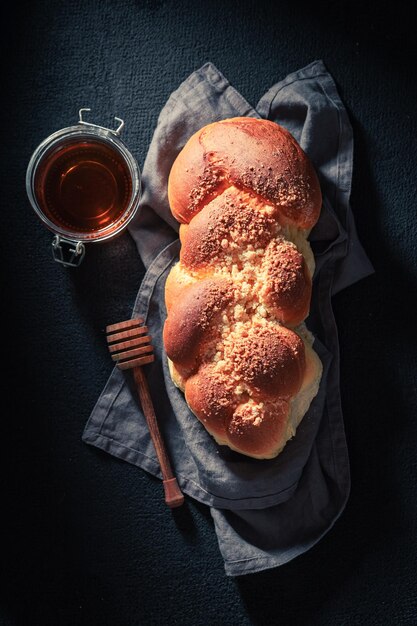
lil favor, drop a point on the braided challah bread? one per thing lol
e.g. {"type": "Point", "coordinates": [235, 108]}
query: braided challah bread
{"type": "Point", "coordinates": [247, 197]}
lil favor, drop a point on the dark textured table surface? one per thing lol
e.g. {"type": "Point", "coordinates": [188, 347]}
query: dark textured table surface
{"type": "Point", "coordinates": [87, 539]}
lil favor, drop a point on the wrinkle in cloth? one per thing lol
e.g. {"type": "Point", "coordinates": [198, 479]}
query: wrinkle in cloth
{"type": "Point", "coordinates": [265, 512]}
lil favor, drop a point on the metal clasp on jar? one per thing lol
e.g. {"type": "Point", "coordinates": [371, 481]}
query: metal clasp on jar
{"type": "Point", "coordinates": [117, 131]}
{"type": "Point", "coordinates": [66, 252]}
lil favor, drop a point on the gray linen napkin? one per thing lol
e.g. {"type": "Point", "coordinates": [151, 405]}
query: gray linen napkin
{"type": "Point", "coordinates": [265, 512]}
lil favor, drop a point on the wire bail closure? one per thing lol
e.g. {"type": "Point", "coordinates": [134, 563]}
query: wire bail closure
{"type": "Point", "coordinates": [116, 131]}
{"type": "Point", "coordinates": [68, 253]}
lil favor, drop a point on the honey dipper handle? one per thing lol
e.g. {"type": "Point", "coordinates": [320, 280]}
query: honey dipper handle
{"type": "Point", "coordinates": [173, 494]}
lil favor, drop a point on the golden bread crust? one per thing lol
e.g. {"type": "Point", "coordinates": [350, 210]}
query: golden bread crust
{"type": "Point", "coordinates": [247, 197]}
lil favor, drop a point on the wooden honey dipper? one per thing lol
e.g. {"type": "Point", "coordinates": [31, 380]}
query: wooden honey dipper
{"type": "Point", "coordinates": [131, 348]}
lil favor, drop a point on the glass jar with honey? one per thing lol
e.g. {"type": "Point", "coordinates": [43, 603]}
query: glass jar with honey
{"type": "Point", "coordinates": [85, 186]}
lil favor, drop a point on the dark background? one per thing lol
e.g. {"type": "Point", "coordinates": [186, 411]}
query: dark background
{"type": "Point", "coordinates": [86, 538]}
